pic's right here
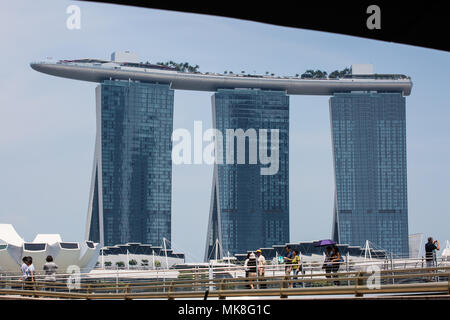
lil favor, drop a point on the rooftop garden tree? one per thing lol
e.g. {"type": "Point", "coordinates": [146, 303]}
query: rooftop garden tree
{"type": "Point", "coordinates": [339, 74]}
{"type": "Point", "coordinates": [314, 74]}
{"type": "Point", "coordinates": [180, 66]}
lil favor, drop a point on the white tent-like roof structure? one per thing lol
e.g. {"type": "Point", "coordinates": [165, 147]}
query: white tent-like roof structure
{"type": "Point", "coordinates": [446, 252]}
{"type": "Point", "coordinates": [47, 238]}
{"type": "Point", "coordinates": [9, 235]}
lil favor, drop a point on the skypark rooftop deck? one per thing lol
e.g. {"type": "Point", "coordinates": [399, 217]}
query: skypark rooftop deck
{"type": "Point", "coordinates": [94, 70]}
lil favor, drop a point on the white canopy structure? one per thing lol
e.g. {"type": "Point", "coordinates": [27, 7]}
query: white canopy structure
{"type": "Point", "coordinates": [13, 248]}
{"type": "Point", "coordinates": [47, 238]}
{"type": "Point", "coordinates": [446, 252]}
{"type": "Point", "coordinates": [9, 235]}
{"type": "Point", "coordinates": [416, 245]}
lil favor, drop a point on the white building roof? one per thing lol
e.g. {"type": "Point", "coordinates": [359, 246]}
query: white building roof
{"type": "Point", "coordinates": [9, 235]}
{"type": "Point", "coordinates": [362, 68]}
{"type": "Point", "coordinates": [47, 238]}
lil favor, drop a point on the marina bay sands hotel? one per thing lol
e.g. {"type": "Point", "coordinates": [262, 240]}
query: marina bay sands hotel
{"type": "Point", "coordinates": [131, 190]}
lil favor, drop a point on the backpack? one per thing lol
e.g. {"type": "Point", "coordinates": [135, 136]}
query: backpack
{"type": "Point", "coordinates": [251, 265]}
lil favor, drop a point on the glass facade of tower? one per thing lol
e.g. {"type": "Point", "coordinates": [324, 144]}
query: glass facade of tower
{"type": "Point", "coordinates": [132, 180]}
{"type": "Point", "coordinates": [249, 210]}
{"type": "Point", "coordinates": [369, 150]}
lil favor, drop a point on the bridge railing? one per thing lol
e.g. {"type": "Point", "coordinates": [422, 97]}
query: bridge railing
{"type": "Point", "coordinates": [341, 283]}
{"type": "Point", "coordinates": [310, 268]}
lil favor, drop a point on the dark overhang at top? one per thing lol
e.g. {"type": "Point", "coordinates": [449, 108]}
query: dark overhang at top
{"type": "Point", "coordinates": [405, 22]}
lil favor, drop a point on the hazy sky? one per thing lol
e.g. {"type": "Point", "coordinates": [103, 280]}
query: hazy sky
{"type": "Point", "coordinates": [47, 124]}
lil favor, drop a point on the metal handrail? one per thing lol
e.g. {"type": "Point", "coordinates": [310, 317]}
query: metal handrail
{"type": "Point", "coordinates": [90, 291]}
{"type": "Point", "coordinates": [442, 288]}
{"type": "Point", "coordinates": [307, 266]}
{"type": "Point", "coordinates": [298, 278]}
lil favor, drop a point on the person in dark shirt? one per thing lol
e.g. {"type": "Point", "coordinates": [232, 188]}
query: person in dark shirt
{"type": "Point", "coordinates": [252, 266]}
{"type": "Point", "coordinates": [336, 260]}
{"type": "Point", "coordinates": [327, 265]}
{"type": "Point", "coordinates": [247, 268]}
{"type": "Point", "coordinates": [430, 246]}
{"type": "Point", "coordinates": [288, 260]}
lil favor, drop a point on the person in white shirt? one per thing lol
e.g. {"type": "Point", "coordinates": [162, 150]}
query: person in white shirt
{"type": "Point", "coordinates": [261, 267]}
{"type": "Point", "coordinates": [23, 268]}
{"type": "Point", "coordinates": [29, 272]}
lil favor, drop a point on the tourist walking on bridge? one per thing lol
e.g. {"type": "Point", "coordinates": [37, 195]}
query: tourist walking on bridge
{"type": "Point", "coordinates": [288, 260]}
{"type": "Point", "coordinates": [23, 268]}
{"type": "Point", "coordinates": [336, 260]}
{"type": "Point", "coordinates": [261, 261]}
{"type": "Point", "coordinates": [246, 268]}
{"type": "Point", "coordinates": [252, 266]}
{"type": "Point", "coordinates": [288, 263]}
{"type": "Point", "coordinates": [50, 273]}
{"type": "Point", "coordinates": [295, 267]}
{"type": "Point", "coordinates": [29, 272]}
{"type": "Point", "coordinates": [327, 265]}
{"type": "Point", "coordinates": [430, 253]}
